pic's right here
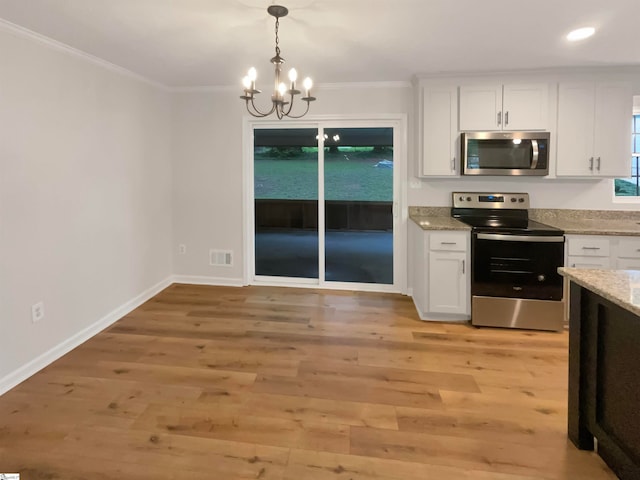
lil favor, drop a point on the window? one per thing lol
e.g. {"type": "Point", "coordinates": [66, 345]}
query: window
{"type": "Point", "coordinates": [630, 187]}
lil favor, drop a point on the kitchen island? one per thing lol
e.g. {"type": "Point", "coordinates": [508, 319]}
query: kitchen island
{"type": "Point", "coordinates": [604, 378]}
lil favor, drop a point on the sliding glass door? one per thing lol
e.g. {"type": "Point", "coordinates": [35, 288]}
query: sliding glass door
{"type": "Point", "coordinates": [323, 205]}
{"type": "Point", "coordinates": [358, 193]}
{"type": "Point", "coordinates": [286, 202]}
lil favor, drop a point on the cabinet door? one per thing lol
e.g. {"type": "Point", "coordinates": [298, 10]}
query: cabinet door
{"type": "Point", "coordinates": [447, 282]}
{"type": "Point", "coordinates": [418, 259]}
{"type": "Point", "coordinates": [439, 131]}
{"type": "Point", "coordinates": [481, 108]}
{"type": "Point", "coordinates": [589, 262]}
{"type": "Point", "coordinates": [588, 246]}
{"type": "Point", "coordinates": [628, 264]}
{"type": "Point", "coordinates": [576, 109]}
{"type": "Point", "coordinates": [612, 137]}
{"type": "Point", "coordinates": [629, 248]}
{"type": "Point", "coordinates": [525, 107]}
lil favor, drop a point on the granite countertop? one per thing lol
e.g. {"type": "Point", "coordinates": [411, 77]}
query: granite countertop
{"type": "Point", "coordinates": [438, 223]}
{"type": "Point", "coordinates": [435, 218]}
{"type": "Point", "coordinates": [621, 287]}
{"type": "Point", "coordinates": [590, 222]}
{"type": "Point", "coordinates": [576, 222]}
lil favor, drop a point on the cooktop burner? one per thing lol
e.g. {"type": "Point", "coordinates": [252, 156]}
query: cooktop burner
{"type": "Point", "coordinates": [505, 213]}
{"type": "Point", "coordinates": [525, 226]}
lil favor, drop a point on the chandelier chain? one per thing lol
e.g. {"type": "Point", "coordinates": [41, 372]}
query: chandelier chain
{"type": "Point", "coordinates": [277, 37]}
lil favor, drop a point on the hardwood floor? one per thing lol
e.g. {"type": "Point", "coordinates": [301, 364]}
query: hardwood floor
{"type": "Point", "coordinates": [289, 384]}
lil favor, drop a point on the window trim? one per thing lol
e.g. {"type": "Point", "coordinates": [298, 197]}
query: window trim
{"type": "Point", "coordinates": [627, 199]}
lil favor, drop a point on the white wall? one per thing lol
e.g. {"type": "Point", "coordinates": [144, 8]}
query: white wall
{"type": "Point", "coordinates": [208, 177]}
{"type": "Point", "coordinates": [544, 193]}
{"type": "Point", "coordinates": [85, 194]}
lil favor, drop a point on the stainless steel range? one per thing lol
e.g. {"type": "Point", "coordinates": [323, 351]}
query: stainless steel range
{"type": "Point", "coordinates": [514, 262]}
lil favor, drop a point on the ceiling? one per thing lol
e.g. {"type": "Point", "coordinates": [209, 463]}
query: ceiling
{"type": "Point", "coordinates": [187, 43]}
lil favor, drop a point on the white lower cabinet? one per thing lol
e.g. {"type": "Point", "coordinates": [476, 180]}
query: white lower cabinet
{"type": "Point", "coordinates": [628, 253]}
{"type": "Point", "coordinates": [628, 264]}
{"type": "Point", "coordinates": [595, 251]}
{"type": "Point", "coordinates": [600, 252]}
{"type": "Point", "coordinates": [447, 282]}
{"type": "Point", "coordinates": [588, 262]}
{"type": "Point", "coordinates": [588, 251]}
{"type": "Point", "coordinates": [441, 276]}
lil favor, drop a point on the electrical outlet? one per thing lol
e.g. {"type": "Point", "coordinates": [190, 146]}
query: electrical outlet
{"type": "Point", "coordinates": [182, 249]}
{"type": "Point", "coordinates": [37, 312]}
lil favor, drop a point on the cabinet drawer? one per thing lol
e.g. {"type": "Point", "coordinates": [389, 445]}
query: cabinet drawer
{"type": "Point", "coordinates": [589, 247]}
{"type": "Point", "coordinates": [588, 262]}
{"type": "Point", "coordinates": [448, 241]}
{"type": "Point", "coordinates": [629, 248]}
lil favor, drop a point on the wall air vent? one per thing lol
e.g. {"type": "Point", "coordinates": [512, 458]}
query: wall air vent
{"type": "Point", "coordinates": [221, 258]}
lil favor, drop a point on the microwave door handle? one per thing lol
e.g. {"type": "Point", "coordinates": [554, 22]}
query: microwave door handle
{"type": "Point", "coordinates": [536, 154]}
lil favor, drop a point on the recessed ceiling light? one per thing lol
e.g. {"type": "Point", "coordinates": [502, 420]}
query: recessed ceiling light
{"type": "Point", "coordinates": [580, 34]}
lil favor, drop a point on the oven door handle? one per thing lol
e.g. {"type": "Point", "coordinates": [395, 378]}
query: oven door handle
{"type": "Point", "coordinates": [520, 238]}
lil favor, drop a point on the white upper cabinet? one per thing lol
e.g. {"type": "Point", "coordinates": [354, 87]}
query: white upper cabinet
{"type": "Point", "coordinates": [481, 108]}
{"type": "Point", "coordinates": [510, 107]}
{"type": "Point", "coordinates": [439, 133]}
{"type": "Point", "coordinates": [594, 129]}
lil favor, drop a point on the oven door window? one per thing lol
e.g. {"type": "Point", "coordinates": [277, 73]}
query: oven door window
{"type": "Point", "coordinates": [516, 269]}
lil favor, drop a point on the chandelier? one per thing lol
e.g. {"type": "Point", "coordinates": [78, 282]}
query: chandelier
{"type": "Point", "coordinates": [282, 98]}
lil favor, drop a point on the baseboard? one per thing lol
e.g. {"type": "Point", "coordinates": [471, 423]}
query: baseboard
{"type": "Point", "coordinates": [202, 280]}
{"type": "Point", "coordinates": [441, 317]}
{"type": "Point", "coordinates": [37, 364]}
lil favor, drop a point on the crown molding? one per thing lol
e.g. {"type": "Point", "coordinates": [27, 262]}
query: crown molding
{"type": "Point", "coordinates": [360, 85]}
{"type": "Point", "coordinates": [210, 89]}
{"type": "Point", "coordinates": [594, 69]}
{"type": "Point", "coordinates": [64, 48]}
{"type": "Point", "coordinates": [320, 86]}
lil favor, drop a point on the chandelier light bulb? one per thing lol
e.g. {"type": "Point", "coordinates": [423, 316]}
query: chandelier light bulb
{"type": "Point", "coordinates": [282, 89]}
{"type": "Point", "coordinates": [253, 74]}
{"type": "Point", "coordinates": [246, 82]}
{"type": "Point", "coordinates": [293, 75]}
{"type": "Point", "coordinates": [308, 83]}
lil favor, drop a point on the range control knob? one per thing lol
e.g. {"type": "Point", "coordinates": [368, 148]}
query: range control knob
{"type": "Point", "coordinates": [521, 200]}
{"type": "Point", "coordinates": [468, 199]}
{"type": "Point", "coordinates": [541, 278]}
{"type": "Point", "coordinates": [513, 199]}
{"type": "Point", "coordinates": [461, 199]}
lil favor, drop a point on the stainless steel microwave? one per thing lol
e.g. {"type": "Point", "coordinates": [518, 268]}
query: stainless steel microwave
{"type": "Point", "coordinates": [505, 153]}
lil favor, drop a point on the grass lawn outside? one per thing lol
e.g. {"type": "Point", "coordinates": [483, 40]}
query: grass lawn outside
{"type": "Point", "coordinates": [348, 176]}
